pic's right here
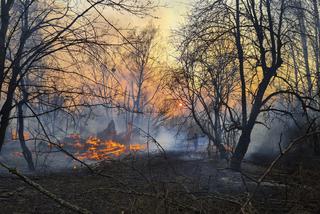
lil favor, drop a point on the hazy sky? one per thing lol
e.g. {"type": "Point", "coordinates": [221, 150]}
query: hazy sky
{"type": "Point", "coordinates": [169, 16]}
{"type": "Point", "coordinates": [173, 14]}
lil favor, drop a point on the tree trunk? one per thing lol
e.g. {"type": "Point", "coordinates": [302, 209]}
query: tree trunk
{"type": "Point", "coordinates": [244, 140]}
{"type": "Point", "coordinates": [218, 134]}
{"type": "Point", "coordinates": [3, 127]}
{"type": "Point", "coordinates": [216, 142]}
{"type": "Point", "coordinates": [296, 69]}
{"type": "Point", "coordinates": [241, 66]}
{"type": "Point", "coordinates": [241, 150]}
{"type": "Point", "coordinates": [304, 44]}
{"type": "Point", "coordinates": [25, 150]}
{"type": "Point", "coordinates": [6, 108]}
{"type": "Point", "coordinates": [316, 42]}
{"type": "Point", "coordinates": [5, 19]}
{"type": "Point", "coordinates": [5, 113]}
{"type": "Point", "coordinates": [209, 149]}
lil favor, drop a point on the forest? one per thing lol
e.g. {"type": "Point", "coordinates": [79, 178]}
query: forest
{"type": "Point", "coordinates": [159, 106]}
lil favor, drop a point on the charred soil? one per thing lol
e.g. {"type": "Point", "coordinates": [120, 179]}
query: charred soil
{"type": "Point", "coordinates": [174, 183]}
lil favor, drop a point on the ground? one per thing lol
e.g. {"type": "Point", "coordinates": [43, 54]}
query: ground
{"type": "Point", "coordinates": [174, 183]}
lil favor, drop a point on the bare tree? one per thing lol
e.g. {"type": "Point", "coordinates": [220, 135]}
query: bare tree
{"type": "Point", "coordinates": [316, 41]}
{"type": "Point", "coordinates": [142, 62]}
{"type": "Point", "coordinates": [41, 41]}
{"type": "Point", "coordinates": [206, 78]}
{"type": "Point", "coordinates": [261, 32]}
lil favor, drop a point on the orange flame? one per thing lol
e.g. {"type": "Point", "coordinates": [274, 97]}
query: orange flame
{"type": "Point", "coordinates": [137, 147]}
{"type": "Point", "coordinates": [14, 135]}
{"type": "Point", "coordinates": [96, 149]}
{"type": "Point", "coordinates": [99, 150]}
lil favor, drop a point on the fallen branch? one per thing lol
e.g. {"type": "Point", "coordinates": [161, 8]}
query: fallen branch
{"type": "Point", "coordinates": [39, 188]}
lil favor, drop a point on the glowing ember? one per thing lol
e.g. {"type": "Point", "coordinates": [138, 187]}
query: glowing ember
{"type": "Point", "coordinates": [137, 147]}
{"type": "Point", "coordinates": [14, 135]}
{"type": "Point", "coordinates": [78, 146]}
{"type": "Point", "coordinates": [93, 141]}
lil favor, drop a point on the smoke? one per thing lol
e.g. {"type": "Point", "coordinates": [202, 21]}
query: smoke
{"type": "Point", "coordinates": [168, 139]}
{"type": "Point", "coordinates": [45, 160]}
{"type": "Point", "coordinates": [267, 142]}
{"type": "Point", "coordinates": [49, 158]}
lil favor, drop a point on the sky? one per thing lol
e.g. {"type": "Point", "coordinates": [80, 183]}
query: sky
{"type": "Point", "coordinates": [170, 18]}
{"type": "Point", "coordinates": [169, 15]}
{"type": "Point", "coordinates": [172, 15]}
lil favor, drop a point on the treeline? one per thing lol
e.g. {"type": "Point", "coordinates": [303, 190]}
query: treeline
{"type": "Point", "coordinates": [242, 61]}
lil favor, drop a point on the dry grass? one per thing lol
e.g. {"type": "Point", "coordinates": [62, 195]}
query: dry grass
{"type": "Point", "coordinates": [172, 185]}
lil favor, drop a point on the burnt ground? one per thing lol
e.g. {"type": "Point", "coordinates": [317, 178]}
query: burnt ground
{"type": "Point", "coordinates": [173, 184]}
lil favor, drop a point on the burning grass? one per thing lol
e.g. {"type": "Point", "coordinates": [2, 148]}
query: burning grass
{"type": "Point", "coordinates": [95, 149]}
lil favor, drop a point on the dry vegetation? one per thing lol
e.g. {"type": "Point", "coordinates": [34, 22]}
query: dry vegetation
{"type": "Point", "coordinates": [169, 185]}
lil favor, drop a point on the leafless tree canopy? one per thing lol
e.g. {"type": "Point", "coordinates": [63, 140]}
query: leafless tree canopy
{"type": "Point", "coordinates": [220, 116]}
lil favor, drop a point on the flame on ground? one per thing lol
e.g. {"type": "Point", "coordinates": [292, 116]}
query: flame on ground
{"type": "Point", "coordinates": [96, 149]}
{"type": "Point", "coordinates": [137, 147]}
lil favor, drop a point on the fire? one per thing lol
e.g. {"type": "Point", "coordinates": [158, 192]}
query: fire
{"type": "Point", "coordinates": [14, 135]}
{"type": "Point", "coordinates": [96, 149]}
{"type": "Point", "coordinates": [137, 147]}
{"type": "Point", "coordinates": [93, 141]}
{"type": "Point", "coordinates": [78, 146]}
